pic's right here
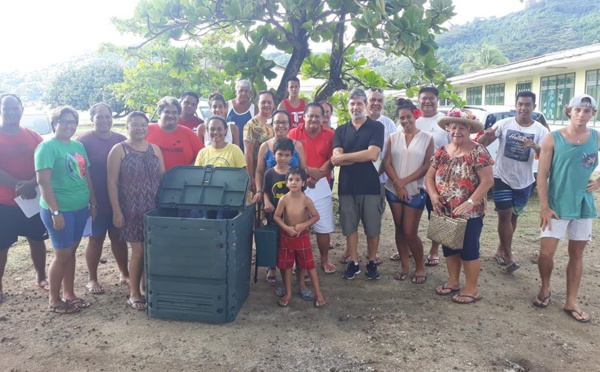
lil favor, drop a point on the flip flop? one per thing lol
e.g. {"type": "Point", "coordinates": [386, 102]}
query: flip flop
{"type": "Point", "coordinates": [499, 259]}
{"type": "Point", "coordinates": [271, 279]}
{"type": "Point", "coordinates": [415, 277]}
{"type": "Point", "coordinates": [344, 259]}
{"type": "Point", "coordinates": [400, 276]}
{"type": "Point", "coordinates": [395, 257]}
{"type": "Point", "coordinates": [95, 290]}
{"type": "Point", "coordinates": [280, 292]}
{"type": "Point", "coordinates": [135, 304]}
{"type": "Point", "coordinates": [320, 304]}
{"type": "Point", "coordinates": [329, 268]}
{"type": "Point", "coordinates": [512, 267]}
{"type": "Point", "coordinates": [306, 295]}
{"type": "Point", "coordinates": [283, 303]}
{"type": "Point", "coordinates": [442, 290]}
{"type": "Point", "coordinates": [432, 261]}
{"type": "Point", "coordinates": [78, 302]}
{"type": "Point", "coordinates": [542, 303]}
{"type": "Point", "coordinates": [581, 319]}
{"type": "Point", "coordinates": [63, 309]}
{"type": "Point", "coordinates": [472, 299]}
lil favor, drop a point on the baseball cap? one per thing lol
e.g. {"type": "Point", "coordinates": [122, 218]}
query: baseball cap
{"type": "Point", "coordinates": [577, 101]}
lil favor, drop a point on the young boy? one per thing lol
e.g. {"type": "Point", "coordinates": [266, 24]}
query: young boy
{"type": "Point", "coordinates": [294, 105]}
{"type": "Point", "coordinates": [295, 213]}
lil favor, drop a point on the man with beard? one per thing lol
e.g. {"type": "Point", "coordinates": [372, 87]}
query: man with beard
{"type": "Point", "coordinates": [17, 178]}
{"type": "Point", "coordinates": [428, 104]}
{"type": "Point", "coordinates": [357, 147]}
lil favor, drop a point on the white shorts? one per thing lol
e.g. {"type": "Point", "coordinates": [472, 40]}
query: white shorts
{"type": "Point", "coordinates": [579, 230]}
{"type": "Point", "coordinates": [323, 201]}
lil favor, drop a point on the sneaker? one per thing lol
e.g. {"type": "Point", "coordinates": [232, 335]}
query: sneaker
{"type": "Point", "coordinates": [372, 272]}
{"type": "Point", "coordinates": [352, 270]}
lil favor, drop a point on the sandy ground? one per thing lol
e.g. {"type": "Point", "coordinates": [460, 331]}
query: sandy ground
{"type": "Point", "coordinates": [382, 325]}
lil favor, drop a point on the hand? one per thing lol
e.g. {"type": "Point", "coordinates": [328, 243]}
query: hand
{"type": "Point", "coordinates": [299, 227]}
{"type": "Point", "coordinates": [337, 159]}
{"type": "Point", "coordinates": [291, 231]}
{"type": "Point", "coordinates": [546, 215]}
{"type": "Point", "coordinates": [26, 189]}
{"type": "Point", "coordinates": [436, 204]}
{"type": "Point", "coordinates": [252, 186]}
{"type": "Point", "coordinates": [529, 144]}
{"type": "Point", "coordinates": [490, 133]}
{"type": "Point", "coordinates": [593, 185]}
{"type": "Point", "coordinates": [316, 173]}
{"type": "Point", "coordinates": [463, 209]}
{"type": "Point", "coordinates": [269, 208]}
{"type": "Point", "coordinates": [58, 222]}
{"type": "Point", "coordinates": [257, 197]}
{"type": "Point", "coordinates": [311, 182]}
{"type": "Point", "coordinates": [93, 213]}
{"type": "Point", "coordinates": [399, 183]}
{"type": "Point", "coordinates": [118, 220]}
{"type": "Point", "coordinates": [402, 194]}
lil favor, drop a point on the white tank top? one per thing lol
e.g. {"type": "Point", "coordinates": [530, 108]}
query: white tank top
{"type": "Point", "coordinates": [407, 160]}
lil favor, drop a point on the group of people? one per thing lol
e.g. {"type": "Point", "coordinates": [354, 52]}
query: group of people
{"type": "Point", "coordinates": [427, 161]}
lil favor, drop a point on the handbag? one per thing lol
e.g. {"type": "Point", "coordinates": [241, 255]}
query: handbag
{"type": "Point", "coordinates": [448, 231]}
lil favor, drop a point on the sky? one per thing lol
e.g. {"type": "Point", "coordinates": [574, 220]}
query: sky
{"type": "Point", "coordinates": [43, 32]}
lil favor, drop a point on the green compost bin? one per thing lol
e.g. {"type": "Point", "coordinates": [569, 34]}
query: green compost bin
{"type": "Point", "coordinates": [198, 269]}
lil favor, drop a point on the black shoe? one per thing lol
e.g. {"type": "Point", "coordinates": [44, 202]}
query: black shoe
{"type": "Point", "coordinates": [372, 272]}
{"type": "Point", "coordinates": [352, 270]}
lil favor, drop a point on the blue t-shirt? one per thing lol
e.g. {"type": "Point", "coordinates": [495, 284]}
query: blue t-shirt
{"type": "Point", "coordinates": [270, 161]}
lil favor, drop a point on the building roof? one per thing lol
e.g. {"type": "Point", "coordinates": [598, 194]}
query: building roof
{"type": "Point", "coordinates": [554, 63]}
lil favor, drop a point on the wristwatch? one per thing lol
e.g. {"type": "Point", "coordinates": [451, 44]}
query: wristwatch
{"type": "Point", "coordinates": [470, 201]}
{"type": "Point", "coordinates": [56, 213]}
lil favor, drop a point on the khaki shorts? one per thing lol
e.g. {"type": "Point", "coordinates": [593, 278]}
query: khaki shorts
{"type": "Point", "coordinates": [365, 208]}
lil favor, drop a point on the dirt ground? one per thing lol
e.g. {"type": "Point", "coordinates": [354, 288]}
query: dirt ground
{"type": "Point", "coordinates": [382, 325]}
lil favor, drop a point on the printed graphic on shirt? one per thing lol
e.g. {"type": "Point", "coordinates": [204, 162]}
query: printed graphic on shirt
{"type": "Point", "coordinates": [75, 165]}
{"type": "Point", "coordinates": [279, 189]}
{"type": "Point", "coordinates": [588, 160]}
{"type": "Point", "coordinates": [219, 161]}
{"type": "Point", "coordinates": [515, 145]}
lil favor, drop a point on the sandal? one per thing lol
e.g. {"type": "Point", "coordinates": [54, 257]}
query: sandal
{"type": "Point", "coordinates": [543, 302]}
{"type": "Point", "coordinates": [307, 295]}
{"type": "Point", "coordinates": [432, 261]}
{"type": "Point", "coordinates": [400, 275]}
{"type": "Point", "coordinates": [283, 303]}
{"type": "Point", "coordinates": [512, 267]}
{"type": "Point", "coordinates": [499, 259]}
{"type": "Point", "coordinates": [442, 290]}
{"type": "Point", "coordinates": [271, 279]}
{"type": "Point", "coordinates": [78, 302]}
{"type": "Point", "coordinates": [280, 292]}
{"type": "Point", "coordinates": [329, 268]}
{"type": "Point", "coordinates": [63, 309]}
{"type": "Point", "coordinates": [137, 304]}
{"type": "Point", "coordinates": [319, 304]}
{"type": "Point", "coordinates": [395, 257]}
{"type": "Point", "coordinates": [470, 299]}
{"type": "Point", "coordinates": [578, 315]}
{"type": "Point", "coordinates": [415, 278]}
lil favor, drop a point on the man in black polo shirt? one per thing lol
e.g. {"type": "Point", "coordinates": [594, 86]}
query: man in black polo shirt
{"type": "Point", "coordinates": [356, 149]}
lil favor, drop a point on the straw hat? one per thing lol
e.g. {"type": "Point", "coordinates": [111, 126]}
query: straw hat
{"type": "Point", "coordinates": [461, 116]}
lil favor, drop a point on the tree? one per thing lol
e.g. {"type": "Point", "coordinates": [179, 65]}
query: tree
{"type": "Point", "coordinates": [83, 86]}
{"type": "Point", "coordinates": [161, 69]}
{"type": "Point", "coordinates": [486, 57]}
{"type": "Point", "coordinates": [398, 27]}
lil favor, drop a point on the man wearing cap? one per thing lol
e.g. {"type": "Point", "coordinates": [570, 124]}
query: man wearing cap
{"type": "Point", "coordinates": [356, 148]}
{"type": "Point", "coordinates": [17, 179]}
{"type": "Point", "coordinates": [520, 140]}
{"type": "Point", "coordinates": [565, 189]}
{"type": "Point", "coordinates": [428, 104]}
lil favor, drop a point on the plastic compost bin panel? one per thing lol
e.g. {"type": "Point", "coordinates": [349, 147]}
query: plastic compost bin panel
{"type": "Point", "coordinates": [267, 245]}
{"type": "Point", "coordinates": [197, 269]}
{"type": "Point", "coordinates": [188, 187]}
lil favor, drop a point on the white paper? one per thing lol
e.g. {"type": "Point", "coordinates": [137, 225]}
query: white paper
{"type": "Point", "coordinates": [87, 230]}
{"type": "Point", "coordinates": [30, 207]}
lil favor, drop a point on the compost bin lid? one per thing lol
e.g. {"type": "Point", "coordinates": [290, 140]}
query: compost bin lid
{"type": "Point", "coordinates": [204, 188]}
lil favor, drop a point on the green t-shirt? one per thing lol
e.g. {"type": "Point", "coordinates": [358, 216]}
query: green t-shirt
{"type": "Point", "coordinates": [69, 163]}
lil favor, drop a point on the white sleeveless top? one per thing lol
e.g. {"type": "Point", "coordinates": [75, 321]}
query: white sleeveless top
{"type": "Point", "coordinates": [406, 160]}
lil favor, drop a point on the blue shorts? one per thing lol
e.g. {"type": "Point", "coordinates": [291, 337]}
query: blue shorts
{"type": "Point", "coordinates": [417, 201]}
{"type": "Point", "coordinates": [14, 223]}
{"type": "Point", "coordinates": [506, 197]}
{"type": "Point", "coordinates": [470, 250]}
{"type": "Point", "coordinates": [72, 232]}
{"type": "Point", "coordinates": [101, 225]}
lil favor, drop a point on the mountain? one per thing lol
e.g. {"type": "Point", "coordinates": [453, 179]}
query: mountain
{"type": "Point", "coordinates": [544, 26]}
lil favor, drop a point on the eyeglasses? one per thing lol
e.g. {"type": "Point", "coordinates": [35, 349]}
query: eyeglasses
{"type": "Point", "coordinates": [67, 122]}
{"type": "Point", "coordinates": [281, 122]}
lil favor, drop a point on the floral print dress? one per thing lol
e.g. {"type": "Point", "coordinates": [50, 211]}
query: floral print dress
{"type": "Point", "coordinates": [456, 178]}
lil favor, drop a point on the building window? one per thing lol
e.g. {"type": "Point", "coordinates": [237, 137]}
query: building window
{"type": "Point", "coordinates": [522, 87]}
{"type": "Point", "coordinates": [474, 96]}
{"type": "Point", "coordinates": [494, 94]}
{"type": "Point", "coordinates": [556, 91]}
{"type": "Point", "coordinates": [592, 85]}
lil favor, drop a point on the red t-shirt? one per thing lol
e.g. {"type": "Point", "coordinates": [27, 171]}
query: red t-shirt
{"type": "Point", "coordinates": [179, 147]}
{"type": "Point", "coordinates": [16, 159]}
{"type": "Point", "coordinates": [296, 113]}
{"type": "Point", "coordinates": [191, 123]}
{"type": "Point", "coordinates": [317, 150]}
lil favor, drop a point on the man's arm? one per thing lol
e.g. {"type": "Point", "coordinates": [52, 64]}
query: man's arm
{"type": "Point", "coordinates": [546, 213]}
{"type": "Point", "coordinates": [370, 154]}
{"type": "Point", "coordinates": [489, 136]}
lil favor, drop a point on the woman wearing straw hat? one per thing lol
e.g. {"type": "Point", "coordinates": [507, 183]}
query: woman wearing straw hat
{"type": "Point", "coordinates": [458, 180]}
